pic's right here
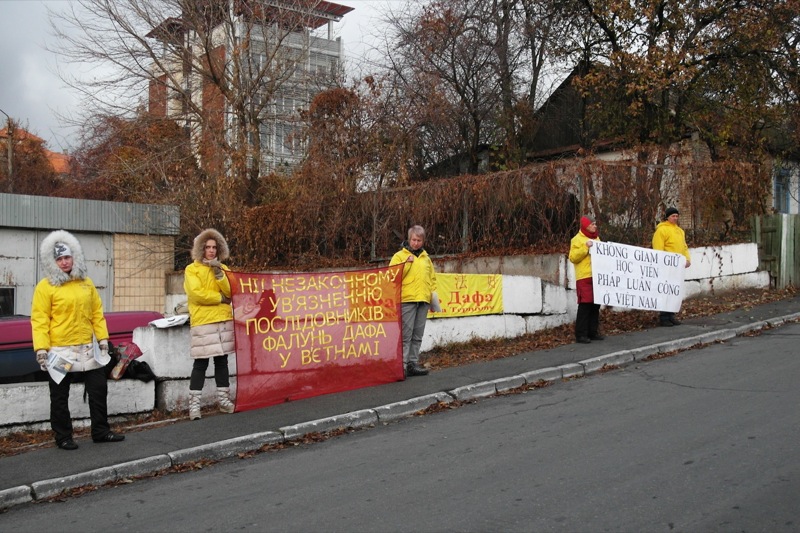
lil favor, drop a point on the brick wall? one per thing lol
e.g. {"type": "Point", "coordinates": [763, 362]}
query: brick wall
{"type": "Point", "coordinates": [141, 264]}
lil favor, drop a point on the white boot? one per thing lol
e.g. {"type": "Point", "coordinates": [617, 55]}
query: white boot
{"type": "Point", "coordinates": [224, 399]}
{"type": "Point", "coordinates": [194, 404]}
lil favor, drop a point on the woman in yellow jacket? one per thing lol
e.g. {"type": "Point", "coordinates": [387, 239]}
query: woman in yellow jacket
{"type": "Point", "coordinates": [419, 282]}
{"type": "Point", "coordinates": [587, 322]}
{"type": "Point", "coordinates": [67, 322]}
{"type": "Point", "coordinates": [209, 293]}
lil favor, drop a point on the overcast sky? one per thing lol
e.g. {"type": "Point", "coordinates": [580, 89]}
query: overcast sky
{"type": "Point", "coordinates": [32, 93]}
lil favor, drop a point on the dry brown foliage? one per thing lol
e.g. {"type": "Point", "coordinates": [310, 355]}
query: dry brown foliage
{"type": "Point", "coordinates": [315, 220]}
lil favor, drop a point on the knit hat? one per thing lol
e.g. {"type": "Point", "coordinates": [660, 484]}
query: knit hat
{"type": "Point", "coordinates": [61, 250]}
{"type": "Point", "coordinates": [585, 223]}
{"type": "Point", "coordinates": [670, 211]}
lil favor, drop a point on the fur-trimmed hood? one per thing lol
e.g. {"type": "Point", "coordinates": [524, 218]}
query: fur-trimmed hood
{"type": "Point", "coordinates": [223, 253]}
{"type": "Point", "coordinates": [48, 261]}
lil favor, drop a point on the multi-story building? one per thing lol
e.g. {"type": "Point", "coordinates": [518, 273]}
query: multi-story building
{"type": "Point", "coordinates": [236, 72]}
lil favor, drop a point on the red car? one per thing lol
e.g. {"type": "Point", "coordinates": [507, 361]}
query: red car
{"type": "Point", "coordinates": [17, 360]}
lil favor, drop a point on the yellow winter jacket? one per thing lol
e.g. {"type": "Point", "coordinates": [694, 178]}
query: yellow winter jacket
{"type": "Point", "coordinates": [204, 293]}
{"type": "Point", "coordinates": [670, 237]}
{"type": "Point", "coordinates": [579, 256]}
{"type": "Point", "coordinates": [419, 277]}
{"type": "Point", "coordinates": [66, 314]}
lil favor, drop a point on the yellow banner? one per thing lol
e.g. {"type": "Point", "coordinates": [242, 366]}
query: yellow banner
{"type": "Point", "coordinates": [469, 294]}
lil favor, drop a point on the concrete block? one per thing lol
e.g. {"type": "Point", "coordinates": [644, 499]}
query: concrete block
{"type": "Point", "coordinates": [549, 267]}
{"type": "Point", "coordinates": [570, 268]}
{"type": "Point", "coordinates": [226, 448]}
{"type": "Point", "coordinates": [541, 322]}
{"type": "Point", "coordinates": [595, 364]}
{"type": "Point", "coordinates": [775, 322]}
{"type": "Point", "coordinates": [473, 391]}
{"type": "Point", "coordinates": [53, 487]}
{"type": "Point", "coordinates": [705, 286]}
{"type": "Point", "coordinates": [543, 374]}
{"type": "Point", "coordinates": [554, 301]}
{"type": "Point", "coordinates": [27, 403]}
{"type": "Point", "coordinates": [571, 370]}
{"type": "Point", "coordinates": [509, 383]}
{"type": "Point", "coordinates": [642, 352]}
{"type": "Point", "coordinates": [722, 261]}
{"type": "Point", "coordinates": [397, 410]}
{"type": "Point", "coordinates": [142, 467]}
{"type": "Point", "coordinates": [522, 295]}
{"type": "Point", "coordinates": [125, 396]}
{"type": "Point", "coordinates": [355, 419]}
{"type": "Point", "coordinates": [741, 330]}
{"type": "Point", "coordinates": [166, 350]}
{"type": "Point", "coordinates": [15, 496]}
{"type": "Point", "coordinates": [515, 326]}
{"type": "Point", "coordinates": [476, 265]}
{"type": "Point", "coordinates": [173, 394]}
{"type": "Point", "coordinates": [464, 329]}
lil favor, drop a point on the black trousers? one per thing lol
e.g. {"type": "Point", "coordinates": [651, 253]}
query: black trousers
{"type": "Point", "coordinates": [96, 388]}
{"type": "Point", "coordinates": [587, 322]}
{"type": "Point", "coordinates": [221, 373]}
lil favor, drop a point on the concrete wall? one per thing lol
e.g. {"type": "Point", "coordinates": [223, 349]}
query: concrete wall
{"type": "Point", "coordinates": [532, 302]}
{"type": "Point", "coordinates": [128, 270]}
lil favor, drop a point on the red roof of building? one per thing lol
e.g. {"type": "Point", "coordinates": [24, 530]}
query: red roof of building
{"type": "Point", "coordinates": [61, 163]}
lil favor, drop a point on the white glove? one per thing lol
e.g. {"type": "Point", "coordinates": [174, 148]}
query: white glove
{"type": "Point", "coordinates": [103, 346]}
{"type": "Point", "coordinates": [41, 358]}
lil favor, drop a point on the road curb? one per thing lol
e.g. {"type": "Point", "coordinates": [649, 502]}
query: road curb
{"type": "Point", "coordinates": [47, 488]}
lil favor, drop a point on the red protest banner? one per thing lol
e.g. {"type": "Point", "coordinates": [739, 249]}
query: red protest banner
{"type": "Point", "coordinates": [307, 334]}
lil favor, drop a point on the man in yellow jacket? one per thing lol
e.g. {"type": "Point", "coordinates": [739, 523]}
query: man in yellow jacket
{"type": "Point", "coordinates": [669, 237]}
{"type": "Point", "coordinates": [419, 282]}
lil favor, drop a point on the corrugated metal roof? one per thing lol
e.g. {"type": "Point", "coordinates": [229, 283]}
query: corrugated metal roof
{"type": "Point", "coordinates": [48, 213]}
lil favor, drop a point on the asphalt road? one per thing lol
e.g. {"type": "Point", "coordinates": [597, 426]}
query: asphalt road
{"type": "Point", "coordinates": [704, 441]}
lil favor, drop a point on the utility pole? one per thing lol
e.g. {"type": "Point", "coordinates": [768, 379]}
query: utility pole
{"type": "Point", "coordinates": [10, 147]}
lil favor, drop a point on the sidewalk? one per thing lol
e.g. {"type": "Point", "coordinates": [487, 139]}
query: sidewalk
{"type": "Point", "coordinates": [46, 472]}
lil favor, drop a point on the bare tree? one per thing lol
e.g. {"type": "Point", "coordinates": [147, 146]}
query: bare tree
{"type": "Point", "coordinates": [473, 70]}
{"type": "Point", "coordinates": [233, 72]}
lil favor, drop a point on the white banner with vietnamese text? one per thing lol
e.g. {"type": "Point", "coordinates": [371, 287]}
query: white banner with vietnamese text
{"type": "Point", "coordinates": [637, 278]}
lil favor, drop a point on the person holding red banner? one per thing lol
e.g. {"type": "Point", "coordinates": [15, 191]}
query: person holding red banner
{"type": "Point", "coordinates": [209, 293]}
{"type": "Point", "coordinates": [587, 322]}
{"type": "Point", "coordinates": [419, 282]}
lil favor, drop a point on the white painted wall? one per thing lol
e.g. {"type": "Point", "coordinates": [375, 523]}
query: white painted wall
{"type": "Point", "coordinates": [531, 304]}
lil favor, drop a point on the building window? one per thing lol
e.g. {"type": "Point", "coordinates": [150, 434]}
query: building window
{"type": "Point", "coordinates": [288, 142]}
{"type": "Point", "coordinates": [6, 301]}
{"type": "Point", "coordinates": [781, 189]}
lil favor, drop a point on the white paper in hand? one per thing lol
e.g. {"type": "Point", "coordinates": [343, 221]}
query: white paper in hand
{"type": "Point", "coordinates": [58, 366]}
{"type": "Point", "coordinates": [436, 307]}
